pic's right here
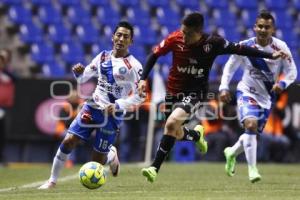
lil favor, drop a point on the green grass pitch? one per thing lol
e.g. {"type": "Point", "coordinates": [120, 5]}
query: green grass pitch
{"type": "Point", "coordinates": [199, 181]}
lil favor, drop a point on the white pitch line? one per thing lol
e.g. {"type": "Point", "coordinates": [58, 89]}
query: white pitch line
{"type": "Point", "coordinates": [36, 184]}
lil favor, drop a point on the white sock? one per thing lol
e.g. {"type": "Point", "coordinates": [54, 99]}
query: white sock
{"type": "Point", "coordinates": [58, 163]}
{"type": "Point", "coordinates": [110, 156]}
{"type": "Point", "coordinates": [238, 147]}
{"type": "Point", "coordinates": [250, 146]}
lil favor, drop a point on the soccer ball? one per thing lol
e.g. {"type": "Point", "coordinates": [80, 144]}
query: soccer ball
{"type": "Point", "coordinates": [92, 175]}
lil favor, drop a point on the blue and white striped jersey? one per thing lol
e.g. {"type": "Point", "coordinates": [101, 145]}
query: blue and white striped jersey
{"type": "Point", "coordinates": [260, 74]}
{"type": "Point", "coordinates": [117, 80]}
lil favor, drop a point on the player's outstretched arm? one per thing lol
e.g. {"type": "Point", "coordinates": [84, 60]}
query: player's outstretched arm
{"type": "Point", "coordinates": [244, 50]}
{"type": "Point", "coordinates": [150, 62]}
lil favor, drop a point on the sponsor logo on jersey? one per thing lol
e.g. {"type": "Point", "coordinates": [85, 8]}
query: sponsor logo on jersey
{"type": "Point", "coordinates": [260, 75]}
{"type": "Point", "coordinates": [191, 70]}
{"type": "Point", "coordinates": [114, 89]}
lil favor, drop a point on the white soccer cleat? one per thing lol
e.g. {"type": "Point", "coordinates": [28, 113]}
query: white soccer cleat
{"type": "Point", "coordinates": [46, 186]}
{"type": "Point", "coordinates": [114, 165]}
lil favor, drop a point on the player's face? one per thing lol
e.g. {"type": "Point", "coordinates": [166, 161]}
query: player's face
{"type": "Point", "coordinates": [122, 39]}
{"type": "Point", "coordinates": [264, 29]}
{"type": "Point", "coordinates": [190, 35]}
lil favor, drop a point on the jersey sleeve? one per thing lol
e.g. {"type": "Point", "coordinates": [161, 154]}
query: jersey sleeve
{"type": "Point", "coordinates": [165, 46]}
{"type": "Point", "coordinates": [229, 69]}
{"type": "Point", "coordinates": [91, 70]}
{"type": "Point", "coordinates": [226, 47]}
{"type": "Point", "coordinates": [134, 99]}
{"type": "Point", "coordinates": [289, 69]}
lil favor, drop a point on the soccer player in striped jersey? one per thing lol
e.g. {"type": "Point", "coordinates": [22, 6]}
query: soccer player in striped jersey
{"type": "Point", "coordinates": [257, 90]}
{"type": "Point", "coordinates": [118, 73]}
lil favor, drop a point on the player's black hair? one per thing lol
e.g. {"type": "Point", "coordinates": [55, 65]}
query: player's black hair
{"type": "Point", "coordinates": [264, 14]}
{"type": "Point", "coordinates": [126, 25]}
{"type": "Point", "coordinates": [194, 20]}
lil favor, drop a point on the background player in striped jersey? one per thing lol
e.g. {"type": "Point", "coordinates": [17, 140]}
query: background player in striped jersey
{"type": "Point", "coordinates": [118, 73]}
{"type": "Point", "coordinates": [257, 90]}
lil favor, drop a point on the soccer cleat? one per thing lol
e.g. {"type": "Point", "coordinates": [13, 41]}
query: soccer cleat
{"type": "Point", "coordinates": [46, 186]}
{"type": "Point", "coordinates": [254, 176]}
{"type": "Point", "coordinates": [201, 143]}
{"type": "Point", "coordinates": [114, 165]}
{"type": "Point", "coordinates": [230, 162]}
{"type": "Point", "coordinates": [150, 173]}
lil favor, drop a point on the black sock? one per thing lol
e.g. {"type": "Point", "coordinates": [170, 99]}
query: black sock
{"type": "Point", "coordinates": [190, 135]}
{"type": "Point", "coordinates": [166, 144]}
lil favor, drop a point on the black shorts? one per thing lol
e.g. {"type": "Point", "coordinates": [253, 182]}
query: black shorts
{"type": "Point", "coordinates": [189, 102]}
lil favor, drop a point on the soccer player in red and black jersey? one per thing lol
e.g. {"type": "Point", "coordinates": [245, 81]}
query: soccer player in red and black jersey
{"type": "Point", "coordinates": [193, 55]}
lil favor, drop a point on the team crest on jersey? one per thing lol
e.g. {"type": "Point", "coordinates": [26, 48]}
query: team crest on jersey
{"type": "Point", "coordinates": [207, 48]}
{"type": "Point", "coordinates": [122, 70]}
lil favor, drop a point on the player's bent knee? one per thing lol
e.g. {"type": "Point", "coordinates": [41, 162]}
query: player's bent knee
{"type": "Point", "coordinates": [171, 127]}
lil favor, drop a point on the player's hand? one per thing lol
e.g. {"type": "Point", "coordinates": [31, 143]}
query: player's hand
{"type": "Point", "coordinates": [110, 109]}
{"type": "Point", "coordinates": [78, 69]}
{"type": "Point", "coordinates": [142, 88]}
{"type": "Point", "coordinates": [280, 54]}
{"type": "Point", "coordinates": [225, 96]}
{"type": "Point", "coordinates": [277, 89]}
